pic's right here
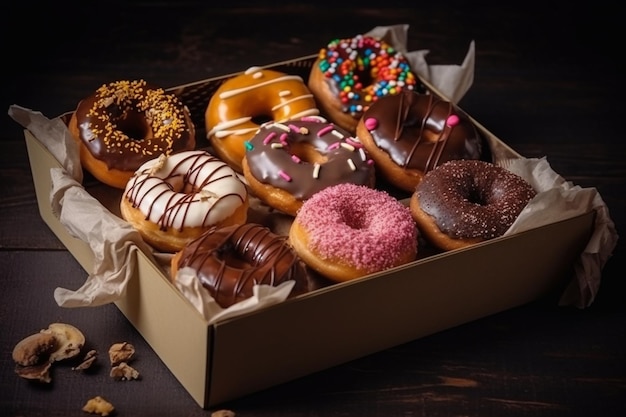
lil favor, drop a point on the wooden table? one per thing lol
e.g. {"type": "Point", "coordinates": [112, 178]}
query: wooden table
{"type": "Point", "coordinates": [547, 82]}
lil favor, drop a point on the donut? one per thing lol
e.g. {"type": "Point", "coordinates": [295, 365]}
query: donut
{"type": "Point", "coordinates": [409, 134]}
{"type": "Point", "coordinates": [242, 103]}
{"type": "Point", "coordinates": [126, 123]}
{"type": "Point", "coordinates": [229, 261]}
{"type": "Point", "coordinates": [464, 202]}
{"type": "Point", "coordinates": [350, 74]}
{"type": "Point", "coordinates": [347, 231]}
{"type": "Point", "coordinates": [172, 200]}
{"type": "Point", "coordinates": [285, 164]}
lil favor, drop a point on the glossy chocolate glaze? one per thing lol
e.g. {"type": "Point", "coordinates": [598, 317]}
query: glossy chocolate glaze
{"type": "Point", "coordinates": [421, 131]}
{"type": "Point", "coordinates": [275, 158]}
{"type": "Point", "coordinates": [127, 123]}
{"type": "Point", "coordinates": [473, 199]}
{"type": "Point", "coordinates": [230, 260]}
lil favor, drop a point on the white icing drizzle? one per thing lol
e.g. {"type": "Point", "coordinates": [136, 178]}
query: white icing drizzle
{"type": "Point", "coordinates": [291, 100]}
{"type": "Point", "coordinates": [285, 98]}
{"type": "Point", "coordinates": [163, 194]}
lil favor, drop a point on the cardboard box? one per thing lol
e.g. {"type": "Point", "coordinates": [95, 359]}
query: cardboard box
{"type": "Point", "coordinates": [333, 325]}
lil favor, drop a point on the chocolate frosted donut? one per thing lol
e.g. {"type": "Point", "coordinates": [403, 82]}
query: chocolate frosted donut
{"type": "Point", "coordinates": [286, 163]}
{"type": "Point", "coordinates": [409, 134]}
{"type": "Point", "coordinates": [230, 261]}
{"type": "Point", "coordinates": [124, 124]}
{"type": "Point", "coordinates": [465, 202]}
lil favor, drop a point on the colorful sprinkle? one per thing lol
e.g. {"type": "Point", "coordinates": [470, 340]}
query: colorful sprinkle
{"type": "Point", "coordinates": [351, 165]}
{"type": "Point", "coordinates": [284, 175]}
{"type": "Point", "coordinates": [354, 142]}
{"type": "Point", "coordinates": [324, 130]}
{"type": "Point", "coordinates": [295, 159]}
{"type": "Point", "coordinates": [269, 138]}
{"type": "Point", "coordinates": [248, 145]}
{"type": "Point", "coordinates": [371, 123]}
{"type": "Point", "coordinates": [316, 170]}
{"type": "Point", "coordinates": [452, 120]}
{"type": "Point", "coordinates": [348, 146]}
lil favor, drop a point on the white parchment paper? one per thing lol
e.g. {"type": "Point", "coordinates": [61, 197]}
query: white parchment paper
{"type": "Point", "coordinates": [113, 241]}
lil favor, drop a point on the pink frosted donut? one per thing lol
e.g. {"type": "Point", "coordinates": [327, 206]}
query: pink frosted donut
{"type": "Point", "coordinates": [347, 231]}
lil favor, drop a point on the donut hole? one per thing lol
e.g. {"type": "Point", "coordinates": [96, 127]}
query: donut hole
{"type": "Point", "coordinates": [307, 153]}
{"type": "Point", "coordinates": [235, 259]}
{"type": "Point", "coordinates": [135, 126]}
{"type": "Point", "coordinates": [261, 119]}
{"type": "Point", "coordinates": [366, 78]}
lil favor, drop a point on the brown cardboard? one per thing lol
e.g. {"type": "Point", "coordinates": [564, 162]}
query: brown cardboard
{"type": "Point", "coordinates": [229, 359]}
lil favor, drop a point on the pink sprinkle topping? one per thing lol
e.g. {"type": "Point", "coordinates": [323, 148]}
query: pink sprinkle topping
{"type": "Point", "coordinates": [371, 123]}
{"type": "Point", "coordinates": [294, 128]}
{"type": "Point", "coordinates": [452, 120]}
{"type": "Point", "coordinates": [324, 131]}
{"type": "Point", "coordinates": [354, 142]}
{"type": "Point", "coordinates": [283, 138]}
{"type": "Point", "coordinates": [295, 159]}
{"type": "Point", "coordinates": [284, 175]}
{"type": "Point", "coordinates": [358, 225]}
{"type": "Point", "coordinates": [269, 138]}
{"type": "Point", "coordinates": [334, 145]}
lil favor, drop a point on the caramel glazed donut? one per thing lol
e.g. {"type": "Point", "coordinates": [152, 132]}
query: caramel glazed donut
{"type": "Point", "coordinates": [409, 134]}
{"type": "Point", "coordinates": [172, 200]}
{"type": "Point", "coordinates": [464, 202]}
{"type": "Point", "coordinates": [351, 74]}
{"type": "Point", "coordinates": [230, 261]}
{"type": "Point", "coordinates": [126, 123]}
{"type": "Point", "coordinates": [239, 103]}
{"type": "Point", "coordinates": [285, 164]}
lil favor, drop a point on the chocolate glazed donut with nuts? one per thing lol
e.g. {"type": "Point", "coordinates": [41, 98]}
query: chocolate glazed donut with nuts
{"type": "Point", "coordinates": [410, 134]}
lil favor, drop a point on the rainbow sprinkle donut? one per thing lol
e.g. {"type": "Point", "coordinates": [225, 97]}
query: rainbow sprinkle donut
{"type": "Point", "coordinates": [355, 72]}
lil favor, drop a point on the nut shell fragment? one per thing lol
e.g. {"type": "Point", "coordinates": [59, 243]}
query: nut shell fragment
{"type": "Point", "coordinates": [70, 341]}
{"type": "Point", "coordinates": [88, 360]}
{"type": "Point", "coordinates": [39, 372]}
{"type": "Point", "coordinates": [98, 405]}
{"type": "Point", "coordinates": [34, 349]}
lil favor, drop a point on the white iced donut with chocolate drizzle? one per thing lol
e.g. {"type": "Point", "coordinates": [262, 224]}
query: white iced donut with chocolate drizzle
{"type": "Point", "coordinates": [172, 200]}
{"type": "Point", "coordinates": [242, 103]}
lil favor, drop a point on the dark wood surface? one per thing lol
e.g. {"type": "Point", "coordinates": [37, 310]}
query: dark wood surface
{"type": "Point", "coordinates": [549, 81]}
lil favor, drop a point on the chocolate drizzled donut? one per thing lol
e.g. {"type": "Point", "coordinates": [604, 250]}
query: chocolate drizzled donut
{"type": "Point", "coordinates": [230, 261]}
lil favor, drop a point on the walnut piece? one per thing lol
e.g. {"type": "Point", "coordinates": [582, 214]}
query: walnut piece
{"type": "Point", "coordinates": [121, 352]}
{"type": "Point", "coordinates": [98, 405]}
{"type": "Point", "coordinates": [124, 372]}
